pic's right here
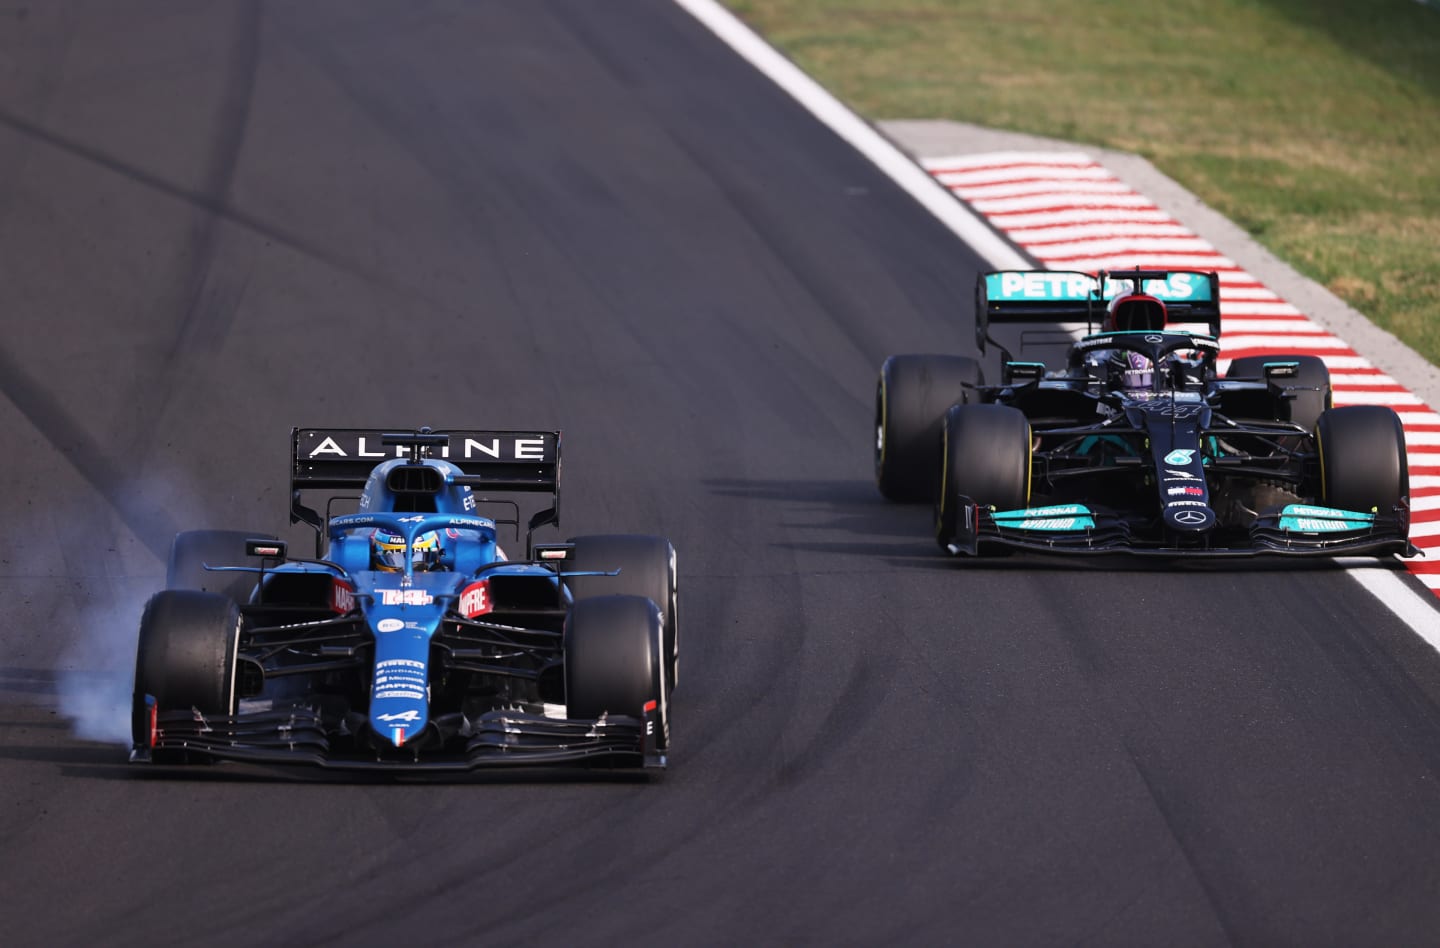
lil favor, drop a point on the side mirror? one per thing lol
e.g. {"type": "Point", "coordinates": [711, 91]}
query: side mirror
{"type": "Point", "coordinates": [1021, 373]}
{"type": "Point", "coordinates": [269, 549]}
{"type": "Point", "coordinates": [554, 552]}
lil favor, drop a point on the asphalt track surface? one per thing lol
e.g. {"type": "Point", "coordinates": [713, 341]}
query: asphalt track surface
{"type": "Point", "coordinates": [221, 220]}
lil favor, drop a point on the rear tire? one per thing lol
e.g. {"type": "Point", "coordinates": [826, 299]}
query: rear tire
{"type": "Point", "coordinates": [186, 655]}
{"type": "Point", "coordinates": [911, 399]}
{"type": "Point", "coordinates": [1307, 406]}
{"type": "Point", "coordinates": [1362, 459]}
{"type": "Point", "coordinates": [613, 660]}
{"type": "Point", "coordinates": [647, 568]}
{"type": "Point", "coordinates": [985, 457]}
{"type": "Point", "coordinates": [192, 549]}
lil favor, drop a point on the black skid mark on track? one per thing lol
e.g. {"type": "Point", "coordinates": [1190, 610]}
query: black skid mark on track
{"type": "Point", "coordinates": [47, 85]}
{"type": "Point", "coordinates": [360, 271]}
{"type": "Point", "coordinates": [104, 471]}
{"type": "Point", "coordinates": [402, 119]}
{"type": "Point", "coordinates": [1183, 837]}
{"type": "Point", "coordinates": [396, 106]}
{"type": "Point", "coordinates": [101, 470]}
{"type": "Point", "coordinates": [225, 156]}
{"type": "Point", "coordinates": [221, 211]}
{"type": "Point", "coordinates": [491, 868]}
{"type": "Point", "coordinates": [203, 322]}
{"type": "Point", "coordinates": [205, 307]}
{"type": "Point", "coordinates": [857, 703]}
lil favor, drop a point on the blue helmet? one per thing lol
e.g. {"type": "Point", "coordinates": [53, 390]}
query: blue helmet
{"type": "Point", "coordinates": [387, 551]}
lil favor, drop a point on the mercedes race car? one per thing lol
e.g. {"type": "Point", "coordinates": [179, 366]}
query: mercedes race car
{"type": "Point", "coordinates": [1137, 444]}
{"type": "Point", "coordinates": [409, 641]}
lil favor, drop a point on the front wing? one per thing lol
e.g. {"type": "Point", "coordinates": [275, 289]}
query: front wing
{"type": "Point", "coordinates": [1080, 529]}
{"type": "Point", "coordinates": [496, 739]}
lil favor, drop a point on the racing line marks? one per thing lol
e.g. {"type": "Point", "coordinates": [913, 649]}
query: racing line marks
{"type": "Point", "coordinates": [1070, 213]}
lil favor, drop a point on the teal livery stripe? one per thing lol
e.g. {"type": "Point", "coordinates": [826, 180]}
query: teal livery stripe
{"type": "Point", "coordinates": [1038, 286]}
{"type": "Point", "coordinates": [1057, 518]}
{"type": "Point", "coordinates": [1307, 518]}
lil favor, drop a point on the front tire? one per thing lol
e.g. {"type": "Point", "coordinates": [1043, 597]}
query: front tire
{"type": "Point", "coordinates": [613, 660]}
{"type": "Point", "coordinates": [985, 459]}
{"type": "Point", "coordinates": [647, 566]}
{"type": "Point", "coordinates": [1363, 466]}
{"type": "Point", "coordinates": [911, 399]}
{"type": "Point", "coordinates": [186, 656]}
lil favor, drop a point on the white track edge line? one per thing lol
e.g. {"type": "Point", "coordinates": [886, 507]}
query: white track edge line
{"type": "Point", "coordinates": [898, 166]}
{"type": "Point", "coordinates": [1416, 611]}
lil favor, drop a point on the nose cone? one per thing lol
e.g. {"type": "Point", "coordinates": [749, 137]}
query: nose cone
{"type": "Point", "coordinates": [1187, 519]}
{"type": "Point", "coordinates": [400, 690]}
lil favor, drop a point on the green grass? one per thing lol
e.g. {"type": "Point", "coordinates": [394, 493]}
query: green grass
{"type": "Point", "coordinates": [1313, 124]}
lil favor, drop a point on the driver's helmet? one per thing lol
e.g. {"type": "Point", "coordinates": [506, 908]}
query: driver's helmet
{"type": "Point", "coordinates": [387, 551]}
{"type": "Point", "coordinates": [1136, 371]}
{"type": "Point", "coordinates": [1135, 313]}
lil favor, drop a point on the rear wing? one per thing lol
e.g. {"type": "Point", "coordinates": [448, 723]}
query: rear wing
{"type": "Point", "coordinates": [491, 460]}
{"type": "Point", "coordinates": [1069, 296]}
{"type": "Point", "coordinates": [342, 458]}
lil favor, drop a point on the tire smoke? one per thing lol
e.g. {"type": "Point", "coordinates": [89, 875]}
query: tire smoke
{"type": "Point", "coordinates": [96, 675]}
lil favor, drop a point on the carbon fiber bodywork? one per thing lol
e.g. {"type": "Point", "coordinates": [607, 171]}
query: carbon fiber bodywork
{"type": "Point", "coordinates": [1116, 470]}
{"type": "Point", "coordinates": [301, 735]}
{"type": "Point", "coordinates": [1138, 445]}
{"type": "Point", "coordinates": [1114, 533]}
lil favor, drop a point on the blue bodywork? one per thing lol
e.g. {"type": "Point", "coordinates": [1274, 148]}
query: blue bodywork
{"type": "Point", "coordinates": [404, 609]}
{"type": "Point", "coordinates": [453, 665]}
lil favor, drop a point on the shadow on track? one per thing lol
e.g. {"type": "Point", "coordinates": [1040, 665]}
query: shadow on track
{"type": "Point", "coordinates": [844, 506]}
{"type": "Point", "coordinates": [899, 535]}
{"type": "Point", "coordinates": [244, 773]}
{"type": "Point", "coordinates": [91, 761]}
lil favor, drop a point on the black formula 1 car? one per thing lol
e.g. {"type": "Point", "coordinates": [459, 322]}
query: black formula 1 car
{"type": "Point", "coordinates": [409, 641]}
{"type": "Point", "coordinates": [1137, 445]}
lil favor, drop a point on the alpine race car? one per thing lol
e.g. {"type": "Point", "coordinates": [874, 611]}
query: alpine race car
{"type": "Point", "coordinates": [409, 640]}
{"type": "Point", "coordinates": [1137, 444]}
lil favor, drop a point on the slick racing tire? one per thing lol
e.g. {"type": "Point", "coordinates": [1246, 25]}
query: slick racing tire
{"type": "Point", "coordinates": [1362, 459]}
{"type": "Point", "coordinates": [985, 457]}
{"type": "Point", "coordinates": [193, 549]}
{"type": "Point", "coordinates": [647, 568]}
{"type": "Point", "coordinates": [911, 399]}
{"type": "Point", "coordinates": [613, 660]}
{"type": "Point", "coordinates": [1313, 380]}
{"type": "Point", "coordinates": [186, 656]}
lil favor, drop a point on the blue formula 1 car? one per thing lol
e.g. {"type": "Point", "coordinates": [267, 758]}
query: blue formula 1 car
{"type": "Point", "coordinates": [410, 641]}
{"type": "Point", "coordinates": [1137, 445]}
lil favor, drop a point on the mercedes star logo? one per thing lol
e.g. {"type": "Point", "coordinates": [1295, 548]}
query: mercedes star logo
{"type": "Point", "coordinates": [1191, 517]}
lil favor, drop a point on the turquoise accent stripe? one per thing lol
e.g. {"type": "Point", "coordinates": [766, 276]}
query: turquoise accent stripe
{"type": "Point", "coordinates": [1064, 517]}
{"type": "Point", "coordinates": [1045, 286]}
{"type": "Point", "coordinates": [1040, 286]}
{"type": "Point", "coordinates": [1307, 518]}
